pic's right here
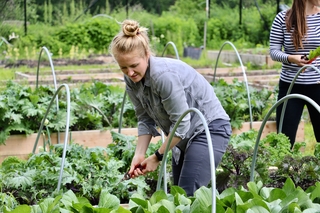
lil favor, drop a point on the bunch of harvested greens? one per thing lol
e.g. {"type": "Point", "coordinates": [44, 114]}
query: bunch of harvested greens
{"type": "Point", "coordinates": [313, 54]}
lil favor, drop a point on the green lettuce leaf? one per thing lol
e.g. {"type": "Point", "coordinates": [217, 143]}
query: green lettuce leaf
{"type": "Point", "coordinates": [314, 53]}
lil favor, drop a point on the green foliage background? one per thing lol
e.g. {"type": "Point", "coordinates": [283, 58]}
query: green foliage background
{"type": "Point", "coordinates": [88, 26]}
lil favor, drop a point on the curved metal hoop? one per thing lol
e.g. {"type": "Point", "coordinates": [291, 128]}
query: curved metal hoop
{"type": "Point", "coordinates": [174, 47]}
{"type": "Point", "coordinates": [53, 75]}
{"type": "Point", "coordinates": [103, 15]}
{"type": "Point", "coordinates": [164, 170]}
{"type": "Point", "coordinates": [312, 102]}
{"type": "Point", "coordinates": [244, 75]}
{"type": "Point", "coordinates": [211, 154]}
{"type": "Point", "coordinates": [51, 65]}
{"type": "Point", "coordinates": [66, 129]}
{"type": "Point", "coordinates": [5, 41]}
{"type": "Point", "coordinates": [121, 111]}
{"type": "Point", "coordinates": [289, 91]}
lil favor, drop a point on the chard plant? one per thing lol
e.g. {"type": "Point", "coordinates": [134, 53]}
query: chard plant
{"type": "Point", "coordinates": [313, 54]}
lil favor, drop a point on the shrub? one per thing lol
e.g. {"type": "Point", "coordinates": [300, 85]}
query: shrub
{"type": "Point", "coordinates": [180, 31]}
{"type": "Point", "coordinates": [94, 34]}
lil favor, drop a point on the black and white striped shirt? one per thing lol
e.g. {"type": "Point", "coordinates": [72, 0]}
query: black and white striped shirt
{"type": "Point", "coordinates": [281, 46]}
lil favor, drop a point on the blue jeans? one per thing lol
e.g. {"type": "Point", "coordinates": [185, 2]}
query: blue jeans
{"type": "Point", "coordinates": [193, 169]}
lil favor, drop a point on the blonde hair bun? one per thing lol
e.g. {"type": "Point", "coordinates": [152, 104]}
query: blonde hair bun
{"type": "Point", "coordinates": [131, 38]}
{"type": "Point", "coordinates": [132, 28]}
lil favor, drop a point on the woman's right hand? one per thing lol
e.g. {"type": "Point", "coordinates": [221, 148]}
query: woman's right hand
{"type": "Point", "coordinates": [298, 59]}
{"type": "Point", "coordinates": [136, 168]}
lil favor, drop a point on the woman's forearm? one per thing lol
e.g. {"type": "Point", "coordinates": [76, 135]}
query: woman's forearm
{"type": "Point", "coordinates": [142, 144]}
{"type": "Point", "coordinates": [174, 141]}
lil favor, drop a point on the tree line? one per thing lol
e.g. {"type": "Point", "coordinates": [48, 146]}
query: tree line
{"type": "Point", "coordinates": [36, 9]}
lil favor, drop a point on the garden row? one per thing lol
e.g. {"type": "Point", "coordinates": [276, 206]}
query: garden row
{"type": "Point", "coordinates": [91, 175]}
{"type": "Point", "coordinates": [259, 79]}
{"type": "Point", "coordinates": [112, 75]}
{"type": "Point", "coordinates": [103, 100]}
{"type": "Point", "coordinates": [92, 180]}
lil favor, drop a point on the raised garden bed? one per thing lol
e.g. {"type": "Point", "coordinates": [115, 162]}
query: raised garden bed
{"type": "Point", "coordinates": [258, 78]}
{"type": "Point", "coordinates": [70, 77]}
{"type": "Point", "coordinates": [253, 58]}
{"type": "Point", "coordinates": [22, 145]}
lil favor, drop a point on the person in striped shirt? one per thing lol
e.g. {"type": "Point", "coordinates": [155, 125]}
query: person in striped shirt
{"type": "Point", "coordinates": [293, 34]}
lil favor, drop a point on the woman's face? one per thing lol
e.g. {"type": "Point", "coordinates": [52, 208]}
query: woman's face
{"type": "Point", "coordinates": [133, 65]}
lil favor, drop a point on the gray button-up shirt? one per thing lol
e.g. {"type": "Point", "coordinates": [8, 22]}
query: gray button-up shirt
{"type": "Point", "coordinates": [171, 87]}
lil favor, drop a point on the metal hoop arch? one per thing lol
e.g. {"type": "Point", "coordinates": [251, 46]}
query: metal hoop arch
{"type": "Point", "coordinates": [243, 71]}
{"type": "Point", "coordinates": [66, 129]}
{"type": "Point", "coordinates": [211, 154]}
{"type": "Point", "coordinates": [174, 47]}
{"type": "Point", "coordinates": [53, 75]}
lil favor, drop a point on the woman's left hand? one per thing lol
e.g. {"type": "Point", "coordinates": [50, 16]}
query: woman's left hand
{"type": "Point", "coordinates": [151, 164]}
{"type": "Point", "coordinates": [297, 59]}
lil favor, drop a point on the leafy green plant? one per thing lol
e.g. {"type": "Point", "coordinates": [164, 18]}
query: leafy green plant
{"type": "Point", "coordinates": [275, 162]}
{"type": "Point", "coordinates": [256, 198]}
{"type": "Point", "coordinates": [123, 148]}
{"type": "Point", "coordinates": [259, 198]}
{"type": "Point", "coordinates": [21, 109]}
{"type": "Point", "coordinates": [303, 170]}
{"type": "Point", "coordinates": [96, 106]}
{"type": "Point", "coordinates": [234, 99]}
{"type": "Point", "coordinates": [86, 173]}
{"type": "Point", "coordinates": [93, 34]}
{"type": "Point", "coordinates": [313, 54]}
{"type": "Point", "coordinates": [8, 201]}
{"type": "Point", "coordinates": [278, 147]}
{"type": "Point", "coordinates": [92, 107]}
{"type": "Point", "coordinates": [236, 162]}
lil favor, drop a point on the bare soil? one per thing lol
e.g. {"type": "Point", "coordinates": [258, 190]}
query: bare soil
{"type": "Point", "coordinates": [91, 60]}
